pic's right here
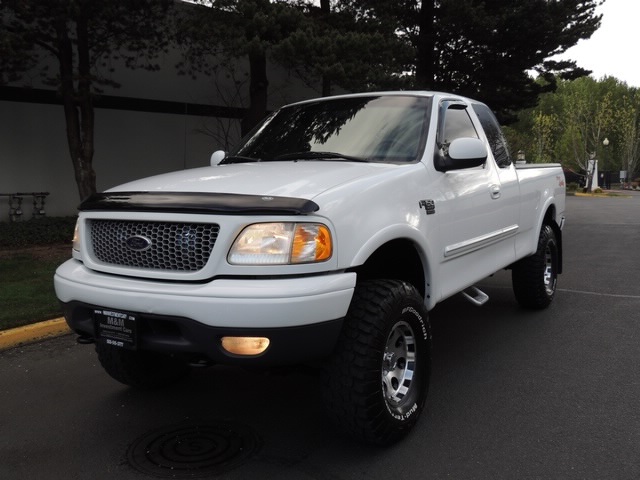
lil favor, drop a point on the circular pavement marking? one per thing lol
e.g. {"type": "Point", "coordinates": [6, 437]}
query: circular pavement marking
{"type": "Point", "coordinates": [193, 451]}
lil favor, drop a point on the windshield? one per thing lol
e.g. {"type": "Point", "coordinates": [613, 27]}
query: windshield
{"type": "Point", "coordinates": [370, 129]}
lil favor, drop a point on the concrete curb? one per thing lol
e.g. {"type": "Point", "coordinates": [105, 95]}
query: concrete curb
{"type": "Point", "coordinates": [32, 333]}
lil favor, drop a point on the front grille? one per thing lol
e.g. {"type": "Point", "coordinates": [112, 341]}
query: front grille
{"type": "Point", "coordinates": [183, 247]}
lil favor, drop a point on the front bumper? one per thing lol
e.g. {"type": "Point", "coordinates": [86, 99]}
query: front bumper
{"type": "Point", "coordinates": [302, 316]}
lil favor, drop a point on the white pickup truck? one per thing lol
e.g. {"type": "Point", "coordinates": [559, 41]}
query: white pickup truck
{"type": "Point", "coordinates": [327, 235]}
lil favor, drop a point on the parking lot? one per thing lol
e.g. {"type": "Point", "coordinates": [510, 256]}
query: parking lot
{"type": "Point", "coordinates": [514, 394]}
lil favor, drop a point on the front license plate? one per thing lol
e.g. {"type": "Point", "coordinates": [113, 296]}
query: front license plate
{"type": "Point", "coordinates": [118, 329]}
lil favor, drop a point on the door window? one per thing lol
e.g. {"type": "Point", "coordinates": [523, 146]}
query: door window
{"type": "Point", "coordinates": [457, 124]}
{"type": "Point", "coordinates": [492, 129]}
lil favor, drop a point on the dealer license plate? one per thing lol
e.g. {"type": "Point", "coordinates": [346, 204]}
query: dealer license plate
{"type": "Point", "coordinates": [118, 329]}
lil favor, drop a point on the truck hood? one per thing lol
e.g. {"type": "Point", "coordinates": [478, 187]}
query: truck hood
{"type": "Point", "coordinates": [303, 179]}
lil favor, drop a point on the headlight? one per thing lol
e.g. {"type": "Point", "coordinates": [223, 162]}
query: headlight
{"type": "Point", "coordinates": [76, 237]}
{"type": "Point", "coordinates": [281, 244]}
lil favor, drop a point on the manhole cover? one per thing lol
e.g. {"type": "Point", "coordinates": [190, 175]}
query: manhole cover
{"type": "Point", "coordinates": [193, 451]}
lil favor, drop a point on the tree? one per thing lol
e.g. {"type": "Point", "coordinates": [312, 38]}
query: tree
{"type": "Point", "coordinates": [484, 49]}
{"type": "Point", "coordinates": [627, 122]}
{"type": "Point", "coordinates": [334, 44]}
{"type": "Point", "coordinates": [83, 40]}
{"type": "Point", "coordinates": [544, 129]}
{"type": "Point", "coordinates": [353, 44]}
{"type": "Point", "coordinates": [230, 83]}
{"type": "Point", "coordinates": [586, 111]}
{"type": "Point", "coordinates": [588, 117]}
{"type": "Point", "coordinates": [223, 31]}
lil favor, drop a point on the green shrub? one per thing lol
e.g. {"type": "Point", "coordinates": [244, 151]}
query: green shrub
{"type": "Point", "coordinates": [572, 187]}
{"type": "Point", "coordinates": [597, 190]}
{"type": "Point", "coordinates": [41, 231]}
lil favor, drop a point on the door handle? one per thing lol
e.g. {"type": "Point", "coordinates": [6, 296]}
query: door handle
{"type": "Point", "coordinates": [495, 191]}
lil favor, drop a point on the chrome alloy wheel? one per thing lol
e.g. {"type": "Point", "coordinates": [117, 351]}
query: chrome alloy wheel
{"type": "Point", "coordinates": [398, 364]}
{"type": "Point", "coordinates": [384, 355]}
{"type": "Point", "coordinates": [549, 271]}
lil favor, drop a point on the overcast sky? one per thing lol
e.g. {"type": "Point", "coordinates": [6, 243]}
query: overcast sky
{"type": "Point", "coordinates": [612, 49]}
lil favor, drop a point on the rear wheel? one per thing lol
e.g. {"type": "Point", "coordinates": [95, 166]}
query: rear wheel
{"type": "Point", "coordinates": [141, 369]}
{"type": "Point", "coordinates": [535, 277]}
{"type": "Point", "coordinates": [377, 380]}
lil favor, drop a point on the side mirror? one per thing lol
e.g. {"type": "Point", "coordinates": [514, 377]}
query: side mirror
{"type": "Point", "coordinates": [462, 153]}
{"type": "Point", "coordinates": [217, 157]}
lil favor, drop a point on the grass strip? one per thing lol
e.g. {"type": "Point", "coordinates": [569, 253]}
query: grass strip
{"type": "Point", "coordinates": [26, 287]}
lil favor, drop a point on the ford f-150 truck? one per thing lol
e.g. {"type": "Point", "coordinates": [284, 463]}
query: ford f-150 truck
{"type": "Point", "coordinates": [327, 235]}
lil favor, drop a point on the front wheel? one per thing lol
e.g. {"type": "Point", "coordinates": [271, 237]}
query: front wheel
{"type": "Point", "coordinates": [535, 277]}
{"type": "Point", "coordinates": [376, 382]}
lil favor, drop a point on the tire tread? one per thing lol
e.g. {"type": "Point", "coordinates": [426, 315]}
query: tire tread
{"type": "Point", "coordinates": [526, 275]}
{"type": "Point", "coordinates": [352, 376]}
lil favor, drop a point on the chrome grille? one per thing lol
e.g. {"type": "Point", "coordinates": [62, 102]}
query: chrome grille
{"type": "Point", "coordinates": [182, 247]}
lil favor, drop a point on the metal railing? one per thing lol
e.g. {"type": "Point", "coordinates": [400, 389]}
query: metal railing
{"type": "Point", "coordinates": [16, 211]}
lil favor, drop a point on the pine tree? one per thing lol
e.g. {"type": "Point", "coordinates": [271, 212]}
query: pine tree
{"type": "Point", "coordinates": [485, 48]}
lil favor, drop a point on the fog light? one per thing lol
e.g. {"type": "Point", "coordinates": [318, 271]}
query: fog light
{"type": "Point", "coordinates": [245, 345]}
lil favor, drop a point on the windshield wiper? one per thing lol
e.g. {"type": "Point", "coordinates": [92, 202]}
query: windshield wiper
{"type": "Point", "coordinates": [239, 159]}
{"type": "Point", "coordinates": [319, 156]}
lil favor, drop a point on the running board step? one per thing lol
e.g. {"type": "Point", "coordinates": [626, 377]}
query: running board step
{"type": "Point", "coordinates": [475, 296]}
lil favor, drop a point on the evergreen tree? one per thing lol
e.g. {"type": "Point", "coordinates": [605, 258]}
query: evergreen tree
{"type": "Point", "coordinates": [225, 31]}
{"type": "Point", "coordinates": [329, 45]}
{"type": "Point", "coordinates": [484, 48]}
{"type": "Point", "coordinates": [354, 45]}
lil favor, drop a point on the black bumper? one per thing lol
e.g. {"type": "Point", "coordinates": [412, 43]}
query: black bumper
{"type": "Point", "coordinates": [194, 340]}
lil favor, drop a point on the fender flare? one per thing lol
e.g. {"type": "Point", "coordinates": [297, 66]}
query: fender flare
{"type": "Point", "coordinates": [550, 205]}
{"type": "Point", "coordinates": [401, 232]}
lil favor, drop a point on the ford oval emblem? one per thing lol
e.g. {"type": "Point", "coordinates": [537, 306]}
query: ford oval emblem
{"type": "Point", "coordinates": [138, 243]}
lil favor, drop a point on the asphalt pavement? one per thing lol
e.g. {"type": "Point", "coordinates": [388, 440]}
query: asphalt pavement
{"type": "Point", "coordinates": [514, 394]}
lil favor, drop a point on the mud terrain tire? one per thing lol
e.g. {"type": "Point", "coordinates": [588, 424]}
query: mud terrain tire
{"type": "Point", "coordinates": [376, 382]}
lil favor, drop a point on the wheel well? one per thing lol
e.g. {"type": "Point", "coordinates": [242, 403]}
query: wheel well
{"type": "Point", "coordinates": [397, 260]}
